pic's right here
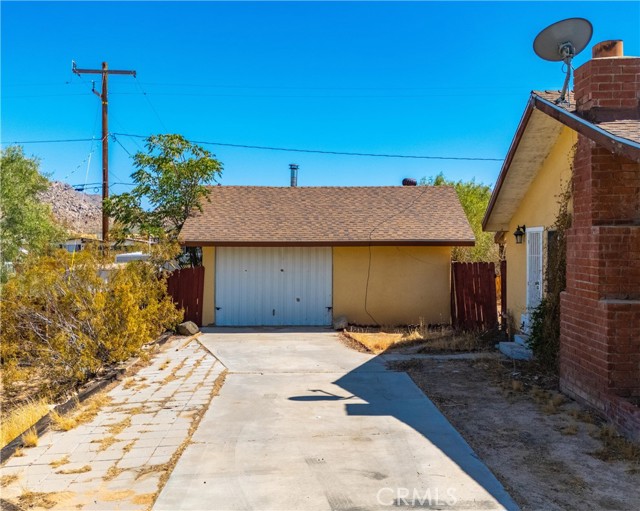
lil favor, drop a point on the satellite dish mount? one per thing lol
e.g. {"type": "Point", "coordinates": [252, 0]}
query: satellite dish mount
{"type": "Point", "coordinates": [562, 41]}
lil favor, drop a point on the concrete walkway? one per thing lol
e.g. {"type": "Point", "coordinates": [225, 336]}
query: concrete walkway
{"type": "Point", "coordinates": [304, 423]}
{"type": "Point", "coordinates": [117, 460]}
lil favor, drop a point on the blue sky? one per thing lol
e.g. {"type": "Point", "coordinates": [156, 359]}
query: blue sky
{"type": "Point", "coordinates": [422, 78]}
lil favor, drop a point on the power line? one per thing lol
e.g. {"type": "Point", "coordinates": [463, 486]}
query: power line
{"type": "Point", "coordinates": [320, 151]}
{"type": "Point", "coordinates": [115, 139]}
{"type": "Point", "coordinates": [49, 141]}
{"type": "Point", "coordinates": [316, 96]}
{"type": "Point", "coordinates": [288, 87]}
{"type": "Point", "coordinates": [146, 96]}
{"type": "Point", "coordinates": [269, 148]}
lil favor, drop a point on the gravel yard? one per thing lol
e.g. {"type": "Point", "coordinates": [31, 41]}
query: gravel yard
{"type": "Point", "coordinates": [549, 452]}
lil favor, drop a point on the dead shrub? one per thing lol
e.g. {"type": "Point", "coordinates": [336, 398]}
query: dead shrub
{"type": "Point", "coordinates": [72, 314]}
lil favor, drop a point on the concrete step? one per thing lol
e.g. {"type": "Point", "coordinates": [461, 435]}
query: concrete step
{"type": "Point", "coordinates": [522, 340]}
{"type": "Point", "coordinates": [515, 351]}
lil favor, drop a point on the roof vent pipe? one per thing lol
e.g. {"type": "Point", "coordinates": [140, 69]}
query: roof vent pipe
{"type": "Point", "coordinates": [407, 181]}
{"type": "Point", "coordinates": [294, 174]}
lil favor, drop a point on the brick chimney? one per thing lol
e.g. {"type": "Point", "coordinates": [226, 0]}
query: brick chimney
{"type": "Point", "coordinates": [607, 87]}
{"type": "Point", "coordinates": [600, 308]}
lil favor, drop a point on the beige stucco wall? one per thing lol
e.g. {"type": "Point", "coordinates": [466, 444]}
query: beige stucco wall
{"type": "Point", "coordinates": [538, 208]}
{"type": "Point", "coordinates": [208, 305]}
{"type": "Point", "coordinates": [405, 284]}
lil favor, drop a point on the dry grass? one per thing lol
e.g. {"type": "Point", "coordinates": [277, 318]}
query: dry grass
{"type": "Point", "coordinates": [84, 413]}
{"type": "Point", "coordinates": [30, 438]}
{"type": "Point", "coordinates": [60, 462]}
{"type": "Point", "coordinates": [128, 447]}
{"type": "Point", "coordinates": [427, 340]}
{"type": "Point", "coordinates": [113, 472]}
{"type": "Point", "coordinates": [19, 452]}
{"type": "Point", "coordinates": [517, 385]}
{"type": "Point", "coordinates": [571, 429]}
{"type": "Point", "coordinates": [91, 407]}
{"type": "Point", "coordinates": [80, 470]}
{"type": "Point", "coordinates": [119, 427]}
{"type": "Point", "coordinates": [62, 422]}
{"type": "Point", "coordinates": [8, 479]}
{"type": "Point", "coordinates": [165, 364]}
{"type": "Point", "coordinates": [172, 376]}
{"type": "Point", "coordinates": [129, 383]}
{"type": "Point", "coordinates": [31, 499]}
{"type": "Point", "coordinates": [616, 447]}
{"type": "Point", "coordinates": [582, 415]}
{"type": "Point", "coordinates": [145, 499]}
{"type": "Point", "coordinates": [21, 419]}
{"type": "Point", "coordinates": [148, 469]}
{"type": "Point", "coordinates": [105, 443]}
{"type": "Point", "coordinates": [376, 342]}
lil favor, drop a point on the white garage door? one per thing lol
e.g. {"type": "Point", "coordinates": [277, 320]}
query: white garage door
{"type": "Point", "coordinates": [273, 286]}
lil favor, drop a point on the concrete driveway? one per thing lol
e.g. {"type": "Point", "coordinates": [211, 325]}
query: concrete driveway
{"type": "Point", "coordinates": [305, 423]}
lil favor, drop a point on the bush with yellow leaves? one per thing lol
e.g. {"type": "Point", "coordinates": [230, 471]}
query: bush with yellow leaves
{"type": "Point", "coordinates": [72, 314]}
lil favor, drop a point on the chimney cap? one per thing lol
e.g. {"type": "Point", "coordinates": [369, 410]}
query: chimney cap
{"type": "Point", "coordinates": [605, 49]}
{"type": "Point", "coordinates": [408, 181]}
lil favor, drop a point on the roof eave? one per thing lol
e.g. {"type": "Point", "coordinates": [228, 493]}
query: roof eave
{"type": "Point", "coordinates": [358, 243]}
{"type": "Point", "coordinates": [522, 126]}
{"type": "Point", "coordinates": [622, 146]}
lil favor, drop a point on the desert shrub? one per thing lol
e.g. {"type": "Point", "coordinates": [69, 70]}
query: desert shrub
{"type": "Point", "coordinates": [72, 314]}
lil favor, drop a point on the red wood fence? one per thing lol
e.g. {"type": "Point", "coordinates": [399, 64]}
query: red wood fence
{"type": "Point", "coordinates": [186, 287]}
{"type": "Point", "coordinates": [473, 296]}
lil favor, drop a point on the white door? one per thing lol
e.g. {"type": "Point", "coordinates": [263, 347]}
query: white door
{"type": "Point", "coordinates": [534, 266]}
{"type": "Point", "coordinates": [273, 286]}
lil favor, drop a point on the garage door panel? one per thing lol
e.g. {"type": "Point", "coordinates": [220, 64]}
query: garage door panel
{"type": "Point", "coordinates": [273, 286]}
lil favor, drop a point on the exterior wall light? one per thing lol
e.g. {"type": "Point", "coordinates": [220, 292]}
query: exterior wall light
{"type": "Point", "coordinates": [519, 233]}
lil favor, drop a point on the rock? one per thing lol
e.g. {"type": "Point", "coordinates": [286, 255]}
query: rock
{"type": "Point", "coordinates": [188, 328]}
{"type": "Point", "coordinates": [340, 323]}
{"type": "Point", "coordinates": [80, 213]}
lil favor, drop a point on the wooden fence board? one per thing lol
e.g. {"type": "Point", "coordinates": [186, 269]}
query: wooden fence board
{"type": "Point", "coordinates": [186, 288]}
{"type": "Point", "coordinates": [473, 296]}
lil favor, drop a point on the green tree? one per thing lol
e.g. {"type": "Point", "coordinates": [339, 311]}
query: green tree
{"type": "Point", "coordinates": [170, 178]}
{"type": "Point", "coordinates": [474, 198]}
{"type": "Point", "coordinates": [25, 222]}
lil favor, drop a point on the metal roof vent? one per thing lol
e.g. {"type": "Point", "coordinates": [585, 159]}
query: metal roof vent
{"type": "Point", "coordinates": [408, 181]}
{"type": "Point", "coordinates": [294, 174]}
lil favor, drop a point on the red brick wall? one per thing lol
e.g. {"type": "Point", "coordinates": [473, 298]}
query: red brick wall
{"type": "Point", "coordinates": [607, 83]}
{"type": "Point", "coordinates": [600, 309]}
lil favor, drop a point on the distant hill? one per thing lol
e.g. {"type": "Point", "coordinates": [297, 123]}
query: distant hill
{"type": "Point", "coordinates": [79, 212]}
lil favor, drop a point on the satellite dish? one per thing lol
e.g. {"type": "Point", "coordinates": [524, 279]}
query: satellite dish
{"type": "Point", "coordinates": [561, 42]}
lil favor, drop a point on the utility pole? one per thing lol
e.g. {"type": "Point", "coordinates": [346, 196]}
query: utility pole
{"type": "Point", "coordinates": [105, 72]}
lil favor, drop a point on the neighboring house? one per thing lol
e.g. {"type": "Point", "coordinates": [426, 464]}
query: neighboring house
{"type": "Point", "coordinates": [78, 243]}
{"type": "Point", "coordinates": [595, 142]}
{"type": "Point", "coordinates": [308, 255]}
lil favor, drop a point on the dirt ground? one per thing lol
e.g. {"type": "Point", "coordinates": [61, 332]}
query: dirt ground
{"type": "Point", "coordinates": [549, 452]}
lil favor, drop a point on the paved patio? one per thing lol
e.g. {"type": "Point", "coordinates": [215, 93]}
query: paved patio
{"type": "Point", "coordinates": [117, 460]}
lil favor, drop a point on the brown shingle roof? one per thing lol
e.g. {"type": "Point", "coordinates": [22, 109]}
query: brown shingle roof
{"type": "Point", "coordinates": [254, 215]}
{"type": "Point", "coordinates": [625, 128]}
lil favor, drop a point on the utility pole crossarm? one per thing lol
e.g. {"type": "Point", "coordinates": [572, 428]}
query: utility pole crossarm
{"type": "Point", "coordinates": [105, 72]}
{"type": "Point", "coordinates": [79, 71]}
